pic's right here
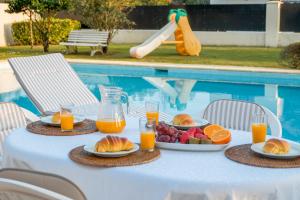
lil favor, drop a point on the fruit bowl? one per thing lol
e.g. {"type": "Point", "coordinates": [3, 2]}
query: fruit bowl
{"type": "Point", "coordinates": [211, 138]}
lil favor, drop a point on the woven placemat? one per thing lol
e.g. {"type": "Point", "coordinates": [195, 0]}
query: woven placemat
{"type": "Point", "coordinates": [78, 155]}
{"type": "Point", "coordinates": [85, 127]}
{"type": "Point", "coordinates": [243, 154]}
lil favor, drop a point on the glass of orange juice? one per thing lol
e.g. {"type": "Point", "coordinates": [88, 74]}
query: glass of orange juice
{"type": "Point", "coordinates": [259, 128]}
{"type": "Point", "coordinates": [152, 111]}
{"type": "Point", "coordinates": [66, 117]}
{"type": "Point", "coordinates": [147, 137]}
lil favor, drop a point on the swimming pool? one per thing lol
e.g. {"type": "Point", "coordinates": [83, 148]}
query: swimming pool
{"type": "Point", "coordinates": [190, 91]}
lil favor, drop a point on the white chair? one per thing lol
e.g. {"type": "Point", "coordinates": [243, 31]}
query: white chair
{"type": "Point", "coordinates": [50, 81]}
{"type": "Point", "coordinates": [94, 39]}
{"type": "Point", "coordinates": [233, 114]}
{"type": "Point", "coordinates": [11, 117]}
{"type": "Point", "coordinates": [24, 185]}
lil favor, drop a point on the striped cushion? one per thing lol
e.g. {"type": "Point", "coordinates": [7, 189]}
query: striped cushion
{"type": "Point", "coordinates": [11, 117]}
{"type": "Point", "coordinates": [232, 114]}
{"type": "Point", "coordinates": [50, 81]}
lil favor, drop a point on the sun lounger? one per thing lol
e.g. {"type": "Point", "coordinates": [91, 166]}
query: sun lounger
{"type": "Point", "coordinates": [50, 81]}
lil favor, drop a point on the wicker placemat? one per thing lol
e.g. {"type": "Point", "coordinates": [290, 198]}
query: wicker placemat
{"type": "Point", "coordinates": [78, 155]}
{"type": "Point", "coordinates": [243, 154]}
{"type": "Point", "coordinates": [85, 127]}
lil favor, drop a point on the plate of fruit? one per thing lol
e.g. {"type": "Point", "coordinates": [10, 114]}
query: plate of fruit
{"type": "Point", "coordinates": [210, 138]}
{"type": "Point", "coordinates": [185, 121]}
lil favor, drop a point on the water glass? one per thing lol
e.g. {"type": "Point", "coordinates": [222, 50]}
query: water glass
{"type": "Point", "coordinates": [147, 136]}
{"type": "Point", "coordinates": [66, 117]}
{"type": "Point", "coordinates": [152, 111]}
{"type": "Point", "coordinates": [259, 128]}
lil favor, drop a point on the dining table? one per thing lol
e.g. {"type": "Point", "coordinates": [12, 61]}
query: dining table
{"type": "Point", "coordinates": [175, 175]}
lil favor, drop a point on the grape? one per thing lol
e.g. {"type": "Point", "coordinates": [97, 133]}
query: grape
{"type": "Point", "coordinates": [163, 138]}
{"type": "Point", "coordinates": [173, 139]}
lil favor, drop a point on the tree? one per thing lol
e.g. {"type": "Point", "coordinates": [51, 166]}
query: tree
{"type": "Point", "coordinates": [150, 2]}
{"type": "Point", "coordinates": [25, 7]}
{"type": "Point", "coordinates": [104, 15]}
{"type": "Point", "coordinates": [47, 10]}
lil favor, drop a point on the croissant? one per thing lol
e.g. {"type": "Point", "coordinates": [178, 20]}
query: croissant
{"type": "Point", "coordinates": [113, 144]}
{"type": "Point", "coordinates": [276, 146]}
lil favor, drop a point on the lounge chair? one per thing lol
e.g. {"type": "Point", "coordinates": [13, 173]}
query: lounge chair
{"type": "Point", "coordinates": [94, 39]}
{"type": "Point", "coordinates": [32, 185]}
{"type": "Point", "coordinates": [50, 81]}
{"type": "Point", "coordinates": [236, 115]}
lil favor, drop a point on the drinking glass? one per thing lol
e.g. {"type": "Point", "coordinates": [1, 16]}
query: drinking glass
{"type": "Point", "coordinates": [259, 128]}
{"type": "Point", "coordinates": [147, 137]}
{"type": "Point", "coordinates": [66, 117]}
{"type": "Point", "coordinates": [152, 111]}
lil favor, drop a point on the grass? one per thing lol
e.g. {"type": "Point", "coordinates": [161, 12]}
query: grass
{"type": "Point", "coordinates": [213, 55]}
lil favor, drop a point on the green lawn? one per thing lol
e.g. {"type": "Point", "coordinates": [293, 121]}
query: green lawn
{"type": "Point", "coordinates": [215, 55]}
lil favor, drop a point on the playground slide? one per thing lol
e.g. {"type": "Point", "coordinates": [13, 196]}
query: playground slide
{"type": "Point", "coordinates": [154, 41]}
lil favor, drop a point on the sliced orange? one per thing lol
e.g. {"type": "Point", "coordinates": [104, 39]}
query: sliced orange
{"type": "Point", "coordinates": [211, 129]}
{"type": "Point", "coordinates": [221, 137]}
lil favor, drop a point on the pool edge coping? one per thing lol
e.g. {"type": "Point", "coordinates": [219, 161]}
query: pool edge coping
{"type": "Point", "coordinates": [5, 66]}
{"type": "Point", "coordinates": [165, 66]}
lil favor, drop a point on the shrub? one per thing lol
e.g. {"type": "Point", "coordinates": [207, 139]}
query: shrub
{"type": "Point", "coordinates": [59, 31]}
{"type": "Point", "coordinates": [290, 55]}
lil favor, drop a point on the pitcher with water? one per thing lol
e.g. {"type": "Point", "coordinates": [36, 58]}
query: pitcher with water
{"type": "Point", "coordinates": [111, 117]}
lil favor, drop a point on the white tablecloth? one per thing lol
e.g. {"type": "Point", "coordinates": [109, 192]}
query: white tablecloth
{"type": "Point", "coordinates": [176, 175]}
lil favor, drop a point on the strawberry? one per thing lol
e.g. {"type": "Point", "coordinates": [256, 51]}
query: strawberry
{"type": "Point", "coordinates": [192, 132]}
{"type": "Point", "coordinates": [184, 138]}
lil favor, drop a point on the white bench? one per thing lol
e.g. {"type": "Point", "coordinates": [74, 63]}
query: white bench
{"type": "Point", "coordinates": [88, 38]}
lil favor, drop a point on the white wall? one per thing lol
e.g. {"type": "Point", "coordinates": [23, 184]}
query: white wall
{"type": "Point", "coordinates": [5, 24]}
{"type": "Point", "coordinates": [246, 38]}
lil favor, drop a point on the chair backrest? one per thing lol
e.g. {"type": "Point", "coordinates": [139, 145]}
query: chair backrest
{"type": "Point", "coordinates": [88, 36]}
{"type": "Point", "coordinates": [46, 181]}
{"type": "Point", "coordinates": [11, 117]}
{"type": "Point", "coordinates": [232, 114]}
{"type": "Point", "coordinates": [16, 190]}
{"type": "Point", "coordinates": [50, 81]}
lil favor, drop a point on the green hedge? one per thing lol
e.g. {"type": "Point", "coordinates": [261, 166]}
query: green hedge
{"type": "Point", "coordinates": [60, 30]}
{"type": "Point", "coordinates": [290, 55]}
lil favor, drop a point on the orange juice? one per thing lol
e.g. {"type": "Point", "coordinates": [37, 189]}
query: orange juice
{"type": "Point", "coordinates": [153, 116]}
{"type": "Point", "coordinates": [259, 132]}
{"type": "Point", "coordinates": [66, 122]}
{"type": "Point", "coordinates": [147, 140]}
{"type": "Point", "coordinates": [107, 126]}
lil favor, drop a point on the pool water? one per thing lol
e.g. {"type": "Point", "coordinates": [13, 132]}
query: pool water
{"type": "Point", "coordinates": [190, 91]}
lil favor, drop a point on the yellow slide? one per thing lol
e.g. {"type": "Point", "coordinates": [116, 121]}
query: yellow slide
{"type": "Point", "coordinates": [186, 41]}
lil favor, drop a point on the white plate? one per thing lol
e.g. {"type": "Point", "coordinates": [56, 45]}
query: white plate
{"type": "Point", "coordinates": [91, 149]}
{"type": "Point", "coordinates": [191, 147]}
{"type": "Point", "coordinates": [293, 153]}
{"type": "Point", "coordinates": [48, 120]}
{"type": "Point", "coordinates": [198, 123]}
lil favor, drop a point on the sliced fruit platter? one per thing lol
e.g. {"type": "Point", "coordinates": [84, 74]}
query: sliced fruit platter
{"type": "Point", "coordinates": [210, 138]}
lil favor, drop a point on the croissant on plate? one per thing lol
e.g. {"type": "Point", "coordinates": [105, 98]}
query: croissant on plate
{"type": "Point", "coordinates": [113, 144]}
{"type": "Point", "coordinates": [276, 146]}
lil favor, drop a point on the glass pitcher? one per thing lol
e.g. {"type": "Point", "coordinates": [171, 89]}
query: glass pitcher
{"type": "Point", "coordinates": [111, 117]}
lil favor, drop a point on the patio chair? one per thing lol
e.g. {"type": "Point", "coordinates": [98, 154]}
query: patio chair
{"type": "Point", "coordinates": [94, 39]}
{"type": "Point", "coordinates": [236, 115]}
{"type": "Point", "coordinates": [25, 185]}
{"type": "Point", "coordinates": [11, 117]}
{"type": "Point", "coordinates": [50, 81]}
